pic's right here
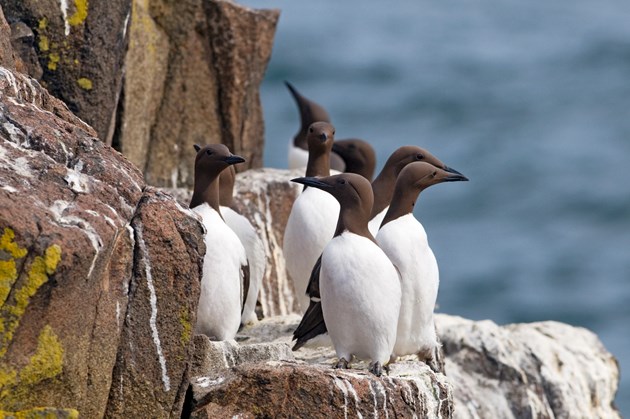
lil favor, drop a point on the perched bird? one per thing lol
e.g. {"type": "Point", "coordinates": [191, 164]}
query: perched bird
{"type": "Point", "coordinates": [404, 241]}
{"type": "Point", "coordinates": [359, 286]}
{"type": "Point", "coordinates": [358, 155]}
{"type": "Point", "coordinates": [225, 279]}
{"type": "Point", "coordinates": [383, 185]}
{"type": "Point", "coordinates": [254, 247]}
{"type": "Point", "coordinates": [313, 217]}
{"type": "Point", "coordinates": [350, 156]}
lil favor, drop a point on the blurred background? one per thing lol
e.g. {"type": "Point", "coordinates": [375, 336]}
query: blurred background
{"type": "Point", "coordinates": [530, 100]}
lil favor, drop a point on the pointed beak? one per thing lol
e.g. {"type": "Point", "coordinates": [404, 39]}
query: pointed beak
{"type": "Point", "coordinates": [451, 170]}
{"type": "Point", "coordinates": [311, 181]}
{"type": "Point", "coordinates": [233, 159]}
{"type": "Point", "coordinates": [323, 137]}
{"type": "Point", "coordinates": [455, 177]}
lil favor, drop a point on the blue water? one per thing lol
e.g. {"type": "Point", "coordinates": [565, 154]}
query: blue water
{"type": "Point", "coordinates": [529, 99]}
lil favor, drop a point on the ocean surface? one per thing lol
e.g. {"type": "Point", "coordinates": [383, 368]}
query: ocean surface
{"type": "Point", "coordinates": [529, 99]}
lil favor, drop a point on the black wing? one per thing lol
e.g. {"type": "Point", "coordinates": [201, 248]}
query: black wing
{"type": "Point", "coordinates": [312, 323]}
{"type": "Point", "coordinates": [244, 285]}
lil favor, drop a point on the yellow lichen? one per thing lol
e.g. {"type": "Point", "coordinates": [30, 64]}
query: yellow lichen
{"type": "Point", "coordinates": [43, 43]}
{"type": "Point", "coordinates": [85, 83]}
{"type": "Point", "coordinates": [80, 14]}
{"type": "Point", "coordinates": [47, 362]}
{"type": "Point", "coordinates": [41, 413]}
{"type": "Point", "coordinates": [53, 59]}
{"type": "Point", "coordinates": [43, 23]}
{"type": "Point", "coordinates": [52, 256]}
{"type": "Point", "coordinates": [7, 244]}
{"type": "Point", "coordinates": [8, 269]}
{"type": "Point", "coordinates": [184, 319]}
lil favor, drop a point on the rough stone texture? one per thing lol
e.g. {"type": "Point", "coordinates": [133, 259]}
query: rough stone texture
{"type": "Point", "coordinates": [256, 379]}
{"type": "Point", "coordinates": [65, 258]}
{"type": "Point", "coordinates": [265, 197]}
{"type": "Point", "coordinates": [79, 52]}
{"type": "Point", "coordinates": [536, 370]}
{"type": "Point", "coordinates": [151, 374]}
{"type": "Point", "coordinates": [7, 54]}
{"type": "Point", "coordinates": [193, 72]}
{"type": "Point", "coordinates": [79, 322]}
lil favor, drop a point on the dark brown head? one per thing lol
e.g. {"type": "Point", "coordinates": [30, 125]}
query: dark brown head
{"type": "Point", "coordinates": [355, 197]}
{"type": "Point", "coordinates": [211, 160]}
{"type": "Point", "coordinates": [358, 155]}
{"type": "Point", "coordinates": [384, 183]}
{"type": "Point", "coordinates": [320, 138]}
{"type": "Point", "coordinates": [309, 112]}
{"type": "Point", "coordinates": [413, 179]}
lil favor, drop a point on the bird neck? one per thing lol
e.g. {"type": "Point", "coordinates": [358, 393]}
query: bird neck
{"type": "Point", "coordinates": [382, 187]}
{"type": "Point", "coordinates": [353, 222]}
{"type": "Point", "coordinates": [402, 204]}
{"type": "Point", "coordinates": [318, 163]}
{"type": "Point", "coordinates": [206, 191]}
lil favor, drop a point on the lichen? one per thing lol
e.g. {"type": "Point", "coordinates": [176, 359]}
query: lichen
{"type": "Point", "coordinates": [47, 362]}
{"type": "Point", "coordinates": [8, 244]}
{"type": "Point", "coordinates": [85, 83]}
{"type": "Point", "coordinates": [43, 43]}
{"type": "Point", "coordinates": [8, 269]}
{"type": "Point", "coordinates": [53, 59]}
{"type": "Point", "coordinates": [184, 319]}
{"type": "Point", "coordinates": [43, 23]}
{"type": "Point", "coordinates": [80, 14]}
{"type": "Point", "coordinates": [41, 413]}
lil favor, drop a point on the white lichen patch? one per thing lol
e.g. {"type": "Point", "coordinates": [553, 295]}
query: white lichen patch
{"type": "Point", "coordinates": [78, 182]}
{"type": "Point", "coordinates": [15, 134]}
{"type": "Point", "coordinates": [18, 165]}
{"type": "Point", "coordinates": [63, 4]}
{"type": "Point", "coordinates": [153, 302]}
{"type": "Point", "coordinates": [9, 188]}
{"type": "Point", "coordinates": [206, 382]}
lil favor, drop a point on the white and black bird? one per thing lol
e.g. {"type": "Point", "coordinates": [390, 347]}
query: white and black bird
{"type": "Point", "coordinates": [225, 279]}
{"type": "Point", "coordinates": [314, 214]}
{"type": "Point", "coordinates": [404, 240]}
{"type": "Point", "coordinates": [358, 285]}
{"type": "Point", "coordinates": [358, 155]}
{"type": "Point", "coordinates": [383, 185]}
{"type": "Point", "coordinates": [247, 234]}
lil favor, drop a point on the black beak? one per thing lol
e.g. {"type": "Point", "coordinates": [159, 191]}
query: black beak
{"type": "Point", "coordinates": [455, 178]}
{"type": "Point", "coordinates": [323, 137]}
{"type": "Point", "coordinates": [233, 159]}
{"type": "Point", "coordinates": [311, 181]}
{"type": "Point", "coordinates": [451, 170]}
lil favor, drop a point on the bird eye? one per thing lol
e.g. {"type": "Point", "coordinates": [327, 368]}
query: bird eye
{"type": "Point", "coordinates": [419, 156]}
{"type": "Point", "coordinates": [434, 174]}
{"type": "Point", "coordinates": [333, 133]}
{"type": "Point", "coordinates": [342, 181]}
{"type": "Point", "coordinates": [310, 130]}
{"type": "Point", "coordinates": [209, 152]}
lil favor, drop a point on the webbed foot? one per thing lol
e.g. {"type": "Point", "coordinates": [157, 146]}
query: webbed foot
{"type": "Point", "coordinates": [376, 368]}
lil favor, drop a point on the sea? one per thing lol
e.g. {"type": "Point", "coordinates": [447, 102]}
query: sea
{"type": "Point", "coordinates": [529, 99]}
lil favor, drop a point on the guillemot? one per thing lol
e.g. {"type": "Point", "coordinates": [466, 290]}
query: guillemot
{"type": "Point", "coordinates": [313, 217]}
{"type": "Point", "coordinates": [254, 247]}
{"type": "Point", "coordinates": [359, 286]}
{"type": "Point", "coordinates": [404, 241]}
{"type": "Point", "coordinates": [225, 278]}
{"type": "Point", "coordinates": [383, 185]}
{"type": "Point", "coordinates": [358, 155]}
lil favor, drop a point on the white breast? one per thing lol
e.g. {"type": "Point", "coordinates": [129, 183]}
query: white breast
{"type": "Point", "coordinates": [298, 157]}
{"type": "Point", "coordinates": [375, 223]}
{"type": "Point", "coordinates": [310, 227]}
{"type": "Point", "coordinates": [405, 243]}
{"type": "Point", "coordinates": [360, 292]}
{"type": "Point", "coordinates": [255, 251]}
{"type": "Point", "coordinates": [219, 311]}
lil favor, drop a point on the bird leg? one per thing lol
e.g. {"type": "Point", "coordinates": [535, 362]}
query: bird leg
{"type": "Point", "coordinates": [376, 368]}
{"type": "Point", "coordinates": [342, 364]}
{"type": "Point", "coordinates": [426, 356]}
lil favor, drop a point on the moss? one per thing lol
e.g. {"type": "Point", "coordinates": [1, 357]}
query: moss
{"type": "Point", "coordinates": [85, 83]}
{"type": "Point", "coordinates": [80, 14]}
{"type": "Point", "coordinates": [184, 319]}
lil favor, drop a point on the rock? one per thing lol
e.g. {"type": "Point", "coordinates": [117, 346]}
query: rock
{"type": "Point", "coordinates": [545, 369]}
{"type": "Point", "coordinates": [66, 253]}
{"type": "Point", "coordinates": [193, 71]}
{"type": "Point", "coordinates": [151, 373]}
{"type": "Point", "coordinates": [94, 298]}
{"type": "Point", "coordinates": [7, 55]}
{"type": "Point", "coordinates": [80, 47]}
{"type": "Point", "coordinates": [265, 197]}
{"type": "Point", "coordinates": [265, 380]}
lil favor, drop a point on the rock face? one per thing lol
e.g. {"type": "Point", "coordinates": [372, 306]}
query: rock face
{"type": "Point", "coordinates": [546, 369]}
{"type": "Point", "coordinates": [76, 302]}
{"type": "Point", "coordinates": [193, 71]}
{"type": "Point", "coordinates": [76, 49]}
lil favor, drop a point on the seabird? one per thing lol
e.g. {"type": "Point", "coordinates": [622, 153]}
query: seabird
{"type": "Point", "coordinates": [358, 155]}
{"type": "Point", "coordinates": [225, 279]}
{"type": "Point", "coordinates": [359, 286]}
{"type": "Point", "coordinates": [383, 185]}
{"type": "Point", "coordinates": [313, 217]}
{"type": "Point", "coordinates": [254, 247]}
{"type": "Point", "coordinates": [351, 155]}
{"type": "Point", "coordinates": [404, 240]}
